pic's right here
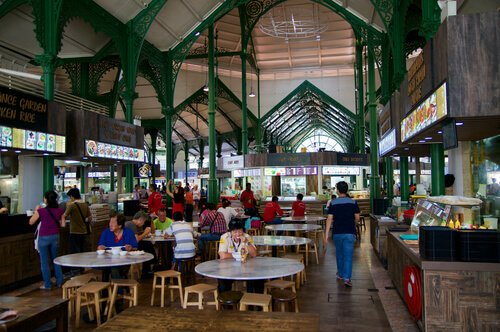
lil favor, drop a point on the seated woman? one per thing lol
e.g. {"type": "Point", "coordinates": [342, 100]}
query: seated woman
{"type": "Point", "coordinates": [235, 241]}
{"type": "Point", "coordinates": [117, 236]}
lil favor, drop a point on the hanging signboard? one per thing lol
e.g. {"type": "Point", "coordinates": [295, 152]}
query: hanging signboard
{"type": "Point", "coordinates": [297, 171]}
{"type": "Point", "coordinates": [231, 163]}
{"type": "Point", "coordinates": [427, 113]}
{"type": "Point", "coordinates": [117, 132]}
{"type": "Point", "coordinates": [354, 159]}
{"type": "Point", "coordinates": [31, 140]}
{"type": "Point", "coordinates": [21, 110]}
{"type": "Point", "coordinates": [274, 171]}
{"type": "Point", "coordinates": [288, 159]}
{"type": "Point", "coordinates": [112, 151]}
{"type": "Point", "coordinates": [387, 143]}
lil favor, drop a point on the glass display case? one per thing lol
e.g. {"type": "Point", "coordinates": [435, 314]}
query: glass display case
{"type": "Point", "coordinates": [452, 211]}
{"type": "Point", "coordinates": [359, 194]}
{"type": "Point", "coordinates": [291, 185]}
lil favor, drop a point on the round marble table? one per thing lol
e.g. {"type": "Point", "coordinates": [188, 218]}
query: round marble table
{"type": "Point", "coordinates": [293, 227]}
{"type": "Point", "coordinates": [93, 260]}
{"type": "Point", "coordinates": [306, 219]}
{"type": "Point", "coordinates": [275, 241]}
{"type": "Point", "coordinates": [160, 238]}
{"type": "Point", "coordinates": [253, 269]}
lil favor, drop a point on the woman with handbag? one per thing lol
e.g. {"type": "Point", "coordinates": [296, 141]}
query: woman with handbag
{"type": "Point", "coordinates": [48, 237]}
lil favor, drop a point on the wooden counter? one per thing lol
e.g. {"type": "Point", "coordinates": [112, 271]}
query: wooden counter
{"type": "Point", "coordinates": [146, 318]}
{"type": "Point", "coordinates": [458, 296]}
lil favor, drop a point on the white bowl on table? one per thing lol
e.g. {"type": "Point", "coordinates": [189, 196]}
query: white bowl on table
{"type": "Point", "coordinates": [116, 250]}
{"type": "Point", "coordinates": [123, 253]}
{"type": "Point", "coordinates": [100, 251]}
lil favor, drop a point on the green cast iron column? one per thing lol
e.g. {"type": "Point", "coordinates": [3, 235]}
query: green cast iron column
{"type": "Point", "coordinates": [405, 179]}
{"type": "Point", "coordinates": [244, 126]}
{"type": "Point", "coordinates": [168, 144]}
{"type": "Point", "coordinates": [360, 120]}
{"type": "Point", "coordinates": [186, 159]}
{"type": "Point", "coordinates": [389, 174]}
{"type": "Point", "coordinates": [372, 109]}
{"type": "Point", "coordinates": [437, 169]}
{"type": "Point", "coordinates": [112, 178]}
{"type": "Point", "coordinates": [212, 180]}
{"type": "Point", "coordinates": [154, 137]}
{"type": "Point", "coordinates": [259, 130]}
{"type": "Point", "coordinates": [129, 168]}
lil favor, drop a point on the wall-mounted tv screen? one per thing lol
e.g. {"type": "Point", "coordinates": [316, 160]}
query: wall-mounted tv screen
{"type": "Point", "coordinates": [450, 140]}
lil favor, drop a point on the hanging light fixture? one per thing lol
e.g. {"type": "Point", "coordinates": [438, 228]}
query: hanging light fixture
{"type": "Point", "coordinates": [251, 94]}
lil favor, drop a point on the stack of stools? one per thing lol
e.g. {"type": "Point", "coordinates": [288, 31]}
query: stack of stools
{"type": "Point", "coordinates": [131, 295]}
{"type": "Point", "coordinates": [229, 299]}
{"type": "Point", "coordinates": [200, 290]}
{"type": "Point", "coordinates": [284, 296]}
{"type": "Point", "coordinates": [90, 294]}
{"type": "Point", "coordinates": [255, 299]}
{"type": "Point", "coordinates": [171, 276]}
{"type": "Point", "coordinates": [69, 289]}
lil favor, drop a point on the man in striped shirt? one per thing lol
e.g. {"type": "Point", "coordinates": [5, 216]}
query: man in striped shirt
{"type": "Point", "coordinates": [183, 233]}
{"type": "Point", "coordinates": [217, 223]}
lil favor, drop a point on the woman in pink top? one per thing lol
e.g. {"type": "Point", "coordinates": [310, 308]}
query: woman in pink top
{"type": "Point", "coordinates": [48, 237]}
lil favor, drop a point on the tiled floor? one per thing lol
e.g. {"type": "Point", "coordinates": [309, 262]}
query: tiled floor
{"type": "Point", "coordinates": [367, 306]}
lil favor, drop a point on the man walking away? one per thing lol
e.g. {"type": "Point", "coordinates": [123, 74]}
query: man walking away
{"type": "Point", "coordinates": [343, 214]}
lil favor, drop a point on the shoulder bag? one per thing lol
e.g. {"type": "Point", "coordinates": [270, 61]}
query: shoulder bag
{"type": "Point", "coordinates": [85, 221]}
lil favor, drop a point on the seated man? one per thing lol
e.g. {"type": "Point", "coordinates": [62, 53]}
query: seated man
{"type": "Point", "coordinates": [236, 240]}
{"type": "Point", "coordinates": [298, 207]}
{"type": "Point", "coordinates": [183, 233]}
{"type": "Point", "coordinates": [115, 236]}
{"type": "Point", "coordinates": [215, 220]}
{"type": "Point", "coordinates": [162, 223]}
{"type": "Point", "coordinates": [273, 212]}
{"type": "Point", "coordinates": [140, 225]}
{"type": "Point", "coordinates": [226, 209]}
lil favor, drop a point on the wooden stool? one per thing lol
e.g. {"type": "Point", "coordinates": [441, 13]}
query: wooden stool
{"type": "Point", "coordinates": [260, 300]}
{"type": "Point", "coordinates": [301, 276]}
{"type": "Point", "coordinates": [253, 231]}
{"type": "Point", "coordinates": [200, 289]}
{"type": "Point", "coordinates": [285, 296]}
{"type": "Point", "coordinates": [69, 289]}
{"type": "Point", "coordinates": [362, 222]}
{"type": "Point", "coordinates": [131, 285]}
{"type": "Point", "coordinates": [171, 275]}
{"type": "Point", "coordinates": [229, 298]}
{"type": "Point", "coordinates": [135, 271]}
{"type": "Point", "coordinates": [91, 294]}
{"type": "Point", "coordinates": [281, 284]}
{"type": "Point", "coordinates": [211, 250]}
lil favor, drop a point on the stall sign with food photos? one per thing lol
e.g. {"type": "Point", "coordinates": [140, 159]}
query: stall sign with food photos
{"type": "Point", "coordinates": [104, 150]}
{"type": "Point", "coordinates": [427, 113]}
{"type": "Point", "coordinates": [31, 140]}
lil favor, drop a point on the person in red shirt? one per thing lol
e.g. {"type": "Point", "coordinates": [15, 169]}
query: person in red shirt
{"type": "Point", "coordinates": [248, 200]}
{"type": "Point", "coordinates": [177, 197]}
{"type": "Point", "coordinates": [154, 200]}
{"type": "Point", "coordinates": [273, 212]}
{"type": "Point", "coordinates": [298, 207]}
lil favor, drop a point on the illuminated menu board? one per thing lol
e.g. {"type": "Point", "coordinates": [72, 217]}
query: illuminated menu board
{"type": "Point", "coordinates": [340, 170]}
{"type": "Point", "coordinates": [112, 151]}
{"type": "Point", "coordinates": [239, 173]}
{"type": "Point", "coordinates": [275, 171]}
{"type": "Point", "coordinates": [294, 171]}
{"type": "Point", "coordinates": [430, 111]}
{"type": "Point", "coordinates": [31, 140]}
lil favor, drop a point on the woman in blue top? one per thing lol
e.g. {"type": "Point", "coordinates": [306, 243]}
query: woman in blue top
{"type": "Point", "coordinates": [117, 236]}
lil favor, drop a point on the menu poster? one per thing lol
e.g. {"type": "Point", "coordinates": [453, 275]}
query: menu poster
{"type": "Point", "coordinates": [60, 144]}
{"type": "Point", "coordinates": [30, 140]}
{"type": "Point", "coordinates": [6, 136]}
{"type": "Point", "coordinates": [18, 138]}
{"type": "Point", "coordinates": [41, 141]}
{"type": "Point", "coordinates": [51, 143]}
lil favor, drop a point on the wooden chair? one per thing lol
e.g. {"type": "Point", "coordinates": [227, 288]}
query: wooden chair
{"type": "Point", "coordinates": [131, 295]}
{"type": "Point", "coordinates": [200, 290]}
{"type": "Point", "coordinates": [255, 299]}
{"type": "Point", "coordinates": [285, 296]}
{"type": "Point", "coordinates": [90, 294]}
{"type": "Point", "coordinates": [172, 276]}
{"type": "Point", "coordinates": [69, 289]}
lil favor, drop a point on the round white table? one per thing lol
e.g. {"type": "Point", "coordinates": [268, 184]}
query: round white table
{"type": "Point", "coordinates": [293, 227]}
{"type": "Point", "coordinates": [306, 219]}
{"type": "Point", "coordinates": [253, 269]}
{"type": "Point", "coordinates": [93, 260]}
{"type": "Point", "coordinates": [275, 241]}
